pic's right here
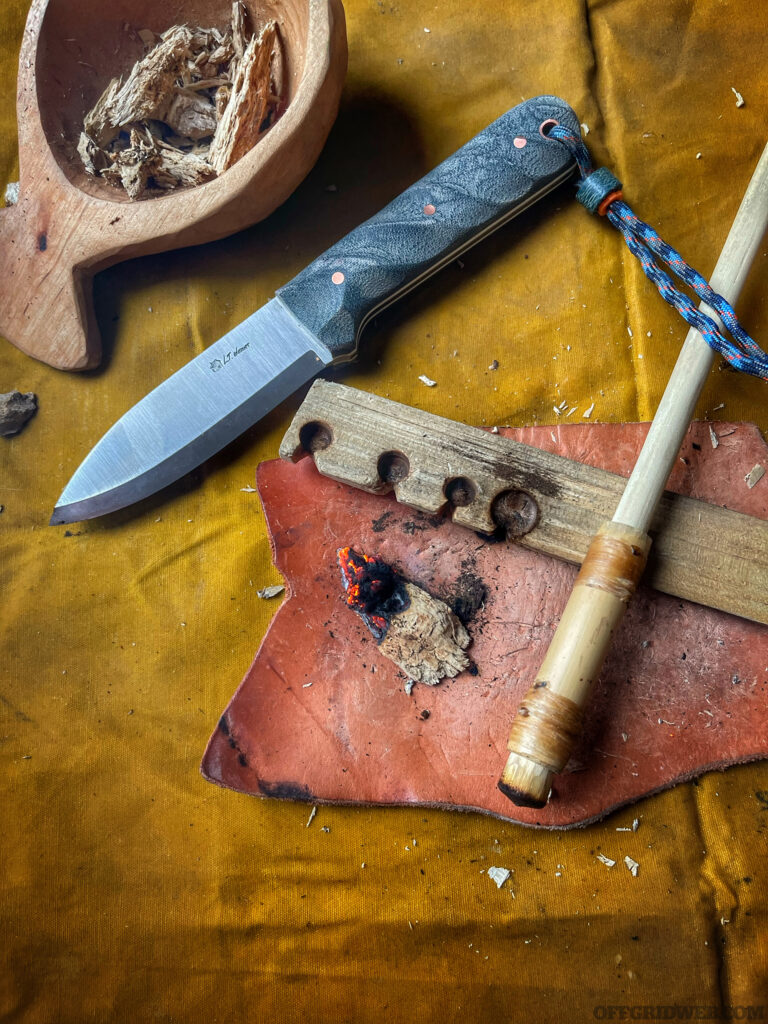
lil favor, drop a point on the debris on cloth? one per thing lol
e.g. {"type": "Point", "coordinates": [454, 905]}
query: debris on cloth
{"type": "Point", "coordinates": [606, 860]}
{"type": "Point", "coordinates": [415, 630]}
{"type": "Point", "coordinates": [194, 104]}
{"type": "Point", "coordinates": [632, 866]}
{"type": "Point", "coordinates": [427, 380]}
{"type": "Point", "coordinates": [498, 875]}
{"type": "Point", "coordinates": [739, 97]}
{"type": "Point", "coordinates": [267, 592]}
{"type": "Point", "coordinates": [15, 410]}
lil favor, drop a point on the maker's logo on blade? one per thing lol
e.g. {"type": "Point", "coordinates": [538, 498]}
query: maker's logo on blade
{"type": "Point", "coordinates": [218, 364]}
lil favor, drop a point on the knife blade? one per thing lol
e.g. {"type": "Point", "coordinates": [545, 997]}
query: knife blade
{"type": "Point", "coordinates": [317, 318]}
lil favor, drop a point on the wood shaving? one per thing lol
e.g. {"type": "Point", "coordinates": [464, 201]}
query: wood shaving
{"type": "Point", "coordinates": [713, 436]}
{"type": "Point", "coordinates": [498, 875]}
{"type": "Point", "coordinates": [426, 380]}
{"type": "Point", "coordinates": [632, 866]}
{"type": "Point", "coordinates": [755, 475]}
{"type": "Point", "coordinates": [605, 860]}
{"type": "Point", "coordinates": [269, 592]}
{"type": "Point", "coordinates": [11, 193]}
{"type": "Point", "coordinates": [191, 107]}
{"type": "Point", "coordinates": [248, 104]}
{"type": "Point", "coordinates": [739, 97]}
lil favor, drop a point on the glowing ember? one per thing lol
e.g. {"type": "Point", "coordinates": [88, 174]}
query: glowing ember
{"type": "Point", "coordinates": [374, 590]}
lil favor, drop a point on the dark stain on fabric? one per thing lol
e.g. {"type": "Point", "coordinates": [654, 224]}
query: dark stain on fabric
{"type": "Point", "coordinates": [18, 714]}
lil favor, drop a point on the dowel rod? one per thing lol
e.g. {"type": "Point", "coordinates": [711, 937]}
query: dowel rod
{"type": "Point", "coordinates": [549, 719]}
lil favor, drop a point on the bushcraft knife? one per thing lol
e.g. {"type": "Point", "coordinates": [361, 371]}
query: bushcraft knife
{"type": "Point", "coordinates": [317, 318]}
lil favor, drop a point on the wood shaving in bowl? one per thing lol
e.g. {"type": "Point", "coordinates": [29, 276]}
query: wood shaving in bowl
{"type": "Point", "coordinates": [191, 107]}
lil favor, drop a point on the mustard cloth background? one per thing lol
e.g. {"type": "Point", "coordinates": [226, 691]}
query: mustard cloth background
{"type": "Point", "coordinates": [131, 890]}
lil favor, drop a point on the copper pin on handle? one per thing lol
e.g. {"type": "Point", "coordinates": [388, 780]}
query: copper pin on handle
{"type": "Point", "coordinates": [548, 722]}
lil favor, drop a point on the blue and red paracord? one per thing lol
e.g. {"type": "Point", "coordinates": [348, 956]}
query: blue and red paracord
{"type": "Point", "coordinates": [599, 191]}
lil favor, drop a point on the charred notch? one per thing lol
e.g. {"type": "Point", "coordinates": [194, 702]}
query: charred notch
{"type": "Point", "coordinates": [393, 467]}
{"type": "Point", "coordinates": [315, 436]}
{"type": "Point", "coordinates": [515, 512]}
{"type": "Point", "coordinates": [460, 491]}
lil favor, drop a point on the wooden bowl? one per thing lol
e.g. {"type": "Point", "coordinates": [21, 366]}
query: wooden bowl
{"type": "Point", "coordinates": [67, 225]}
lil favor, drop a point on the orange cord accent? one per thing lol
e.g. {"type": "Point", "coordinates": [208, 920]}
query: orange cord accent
{"type": "Point", "coordinates": [603, 207]}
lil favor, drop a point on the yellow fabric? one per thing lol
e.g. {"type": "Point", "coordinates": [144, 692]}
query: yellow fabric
{"type": "Point", "coordinates": [131, 890]}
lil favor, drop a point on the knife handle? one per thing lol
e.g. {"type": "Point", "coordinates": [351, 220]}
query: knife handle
{"type": "Point", "coordinates": [491, 179]}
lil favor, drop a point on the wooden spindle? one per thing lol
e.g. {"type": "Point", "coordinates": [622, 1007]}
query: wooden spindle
{"type": "Point", "coordinates": [549, 719]}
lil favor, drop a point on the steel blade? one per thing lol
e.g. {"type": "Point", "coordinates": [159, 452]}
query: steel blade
{"type": "Point", "coordinates": [195, 413]}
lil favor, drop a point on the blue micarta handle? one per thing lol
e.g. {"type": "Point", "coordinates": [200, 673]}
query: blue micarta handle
{"type": "Point", "coordinates": [487, 182]}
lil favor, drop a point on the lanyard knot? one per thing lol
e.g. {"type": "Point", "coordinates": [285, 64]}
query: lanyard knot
{"type": "Point", "coordinates": [600, 191]}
